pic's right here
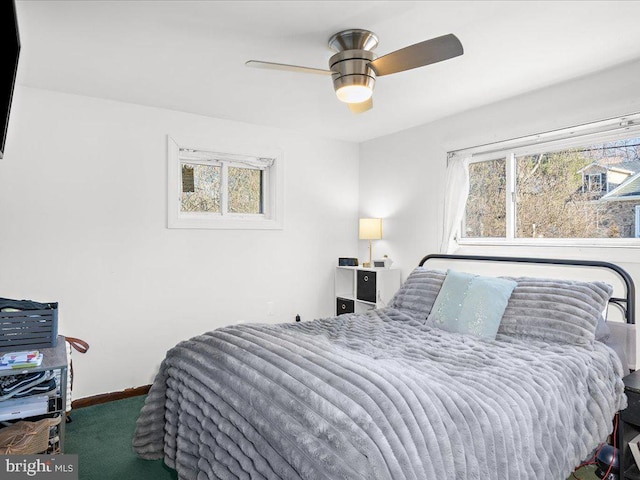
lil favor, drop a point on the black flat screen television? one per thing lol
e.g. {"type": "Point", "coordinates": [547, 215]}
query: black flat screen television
{"type": "Point", "coordinates": [9, 53]}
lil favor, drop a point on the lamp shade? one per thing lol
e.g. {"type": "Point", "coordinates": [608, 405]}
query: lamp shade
{"type": "Point", "coordinates": [370, 228]}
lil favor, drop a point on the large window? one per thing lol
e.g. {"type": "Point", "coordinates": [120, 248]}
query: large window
{"type": "Point", "coordinates": [214, 189]}
{"type": "Point", "coordinates": [587, 189]}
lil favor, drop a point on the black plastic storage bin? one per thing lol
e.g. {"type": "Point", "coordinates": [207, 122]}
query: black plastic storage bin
{"type": "Point", "coordinates": [29, 329]}
{"type": "Point", "coordinates": [344, 305]}
{"type": "Point", "coordinates": [366, 286]}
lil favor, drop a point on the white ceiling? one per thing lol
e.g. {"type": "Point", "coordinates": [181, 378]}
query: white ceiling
{"type": "Point", "coordinates": [189, 55]}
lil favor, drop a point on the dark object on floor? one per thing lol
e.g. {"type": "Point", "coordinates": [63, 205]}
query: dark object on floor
{"type": "Point", "coordinates": [608, 461]}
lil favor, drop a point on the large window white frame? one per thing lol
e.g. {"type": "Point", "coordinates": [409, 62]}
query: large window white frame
{"type": "Point", "coordinates": [268, 161]}
{"type": "Point", "coordinates": [593, 133]}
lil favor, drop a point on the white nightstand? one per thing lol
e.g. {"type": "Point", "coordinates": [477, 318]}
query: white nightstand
{"type": "Point", "coordinates": [358, 289]}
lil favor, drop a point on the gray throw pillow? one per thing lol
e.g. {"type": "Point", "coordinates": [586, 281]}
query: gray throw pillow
{"type": "Point", "coordinates": [555, 310]}
{"type": "Point", "coordinates": [419, 291]}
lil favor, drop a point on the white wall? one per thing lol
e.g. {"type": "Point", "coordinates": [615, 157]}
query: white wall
{"type": "Point", "coordinates": [402, 175]}
{"type": "Point", "coordinates": [83, 215]}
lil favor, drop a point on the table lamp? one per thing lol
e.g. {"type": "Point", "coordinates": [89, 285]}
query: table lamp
{"type": "Point", "coordinates": [370, 229]}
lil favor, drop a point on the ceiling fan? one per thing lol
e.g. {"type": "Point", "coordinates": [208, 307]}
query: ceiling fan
{"type": "Point", "coordinates": [355, 67]}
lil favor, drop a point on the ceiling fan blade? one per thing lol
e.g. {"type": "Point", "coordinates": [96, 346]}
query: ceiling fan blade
{"type": "Point", "coordinates": [418, 55]}
{"type": "Point", "coordinates": [361, 107]}
{"type": "Point", "coordinates": [284, 66]}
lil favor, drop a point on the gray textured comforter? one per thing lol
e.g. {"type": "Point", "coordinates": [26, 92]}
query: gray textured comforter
{"type": "Point", "coordinates": [376, 396]}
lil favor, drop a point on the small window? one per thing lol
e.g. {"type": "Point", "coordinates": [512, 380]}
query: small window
{"type": "Point", "coordinates": [209, 188]}
{"type": "Point", "coordinates": [594, 182]}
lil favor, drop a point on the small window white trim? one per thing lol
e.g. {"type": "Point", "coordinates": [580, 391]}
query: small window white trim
{"type": "Point", "coordinates": [269, 159]}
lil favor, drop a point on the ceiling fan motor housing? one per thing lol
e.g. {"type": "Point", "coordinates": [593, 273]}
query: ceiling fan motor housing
{"type": "Point", "coordinates": [351, 68]}
{"type": "Point", "coordinates": [353, 39]}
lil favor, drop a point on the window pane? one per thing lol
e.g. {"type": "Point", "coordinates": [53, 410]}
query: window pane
{"type": "Point", "coordinates": [245, 190]}
{"type": "Point", "coordinates": [584, 192]}
{"type": "Point", "coordinates": [485, 214]}
{"type": "Point", "coordinates": [200, 188]}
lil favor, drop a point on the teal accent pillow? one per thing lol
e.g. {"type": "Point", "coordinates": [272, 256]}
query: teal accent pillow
{"type": "Point", "coordinates": [471, 304]}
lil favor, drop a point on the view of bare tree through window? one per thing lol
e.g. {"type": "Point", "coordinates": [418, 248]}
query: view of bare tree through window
{"type": "Point", "coordinates": [245, 190]}
{"type": "Point", "coordinates": [486, 211]}
{"type": "Point", "coordinates": [583, 192]}
{"type": "Point", "coordinates": [549, 198]}
{"type": "Point", "coordinates": [200, 188]}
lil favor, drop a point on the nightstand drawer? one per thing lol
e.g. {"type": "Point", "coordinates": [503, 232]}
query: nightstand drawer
{"type": "Point", "coordinates": [344, 305]}
{"type": "Point", "coordinates": [366, 287]}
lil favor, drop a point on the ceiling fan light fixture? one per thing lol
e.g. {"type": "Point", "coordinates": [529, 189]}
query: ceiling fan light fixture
{"type": "Point", "coordinates": [354, 93]}
{"type": "Point", "coordinates": [353, 88]}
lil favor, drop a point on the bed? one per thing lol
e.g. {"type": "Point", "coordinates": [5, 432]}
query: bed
{"type": "Point", "coordinates": [389, 394]}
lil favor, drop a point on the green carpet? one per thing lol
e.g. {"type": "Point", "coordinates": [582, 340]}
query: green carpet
{"type": "Point", "coordinates": [585, 473]}
{"type": "Point", "coordinates": [101, 436]}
